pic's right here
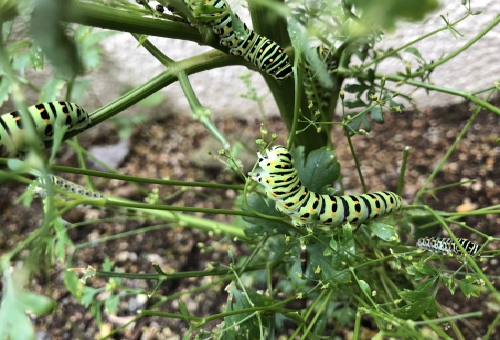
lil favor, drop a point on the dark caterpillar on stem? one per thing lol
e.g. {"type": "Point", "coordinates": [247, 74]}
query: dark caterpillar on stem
{"type": "Point", "coordinates": [447, 245]}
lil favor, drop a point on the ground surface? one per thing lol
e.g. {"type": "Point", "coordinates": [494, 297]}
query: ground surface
{"type": "Point", "coordinates": [169, 149]}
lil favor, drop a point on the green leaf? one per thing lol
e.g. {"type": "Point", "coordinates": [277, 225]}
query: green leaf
{"type": "Point", "coordinates": [359, 121]}
{"type": "Point", "coordinates": [416, 309]}
{"type": "Point", "coordinates": [319, 170]}
{"type": "Point", "coordinates": [328, 273]}
{"type": "Point", "coordinates": [245, 324]}
{"type": "Point", "coordinates": [72, 283]}
{"type": "Point", "coordinates": [111, 303]}
{"type": "Point", "coordinates": [260, 226]}
{"type": "Point", "coordinates": [354, 103]}
{"type": "Point", "coordinates": [35, 303]}
{"type": "Point", "coordinates": [449, 282]}
{"type": "Point", "coordinates": [411, 270]}
{"type": "Point", "coordinates": [365, 287]}
{"type": "Point", "coordinates": [36, 57]}
{"type": "Point", "coordinates": [108, 264]}
{"type": "Point", "coordinates": [49, 33]}
{"type": "Point", "coordinates": [20, 62]}
{"type": "Point", "coordinates": [16, 302]}
{"type": "Point", "coordinates": [468, 287]}
{"type": "Point", "coordinates": [88, 295]}
{"type": "Point", "coordinates": [421, 291]}
{"type": "Point", "coordinates": [386, 13]}
{"type": "Point", "coordinates": [51, 90]}
{"type": "Point", "coordinates": [6, 28]}
{"type": "Point", "coordinates": [4, 90]}
{"type": "Point", "coordinates": [376, 114]}
{"type": "Point", "coordinates": [424, 268]}
{"type": "Point", "coordinates": [415, 52]}
{"type": "Point", "coordinates": [385, 231]}
{"type": "Point", "coordinates": [356, 88]}
{"type": "Point", "coordinates": [183, 308]}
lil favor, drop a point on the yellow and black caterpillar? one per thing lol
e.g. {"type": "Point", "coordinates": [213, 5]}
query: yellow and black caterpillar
{"type": "Point", "coordinates": [12, 135]}
{"type": "Point", "coordinates": [263, 52]}
{"type": "Point", "coordinates": [282, 184]}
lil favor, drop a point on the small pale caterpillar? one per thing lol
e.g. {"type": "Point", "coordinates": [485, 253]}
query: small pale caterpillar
{"type": "Point", "coordinates": [12, 138]}
{"type": "Point", "coordinates": [66, 185]}
{"type": "Point", "coordinates": [282, 184]}
{"type": "Point", "coordinates": [447, 245]}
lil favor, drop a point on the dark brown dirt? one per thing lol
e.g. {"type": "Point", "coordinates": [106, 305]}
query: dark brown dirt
{"type": "Point", "coordinates": [163, 150]}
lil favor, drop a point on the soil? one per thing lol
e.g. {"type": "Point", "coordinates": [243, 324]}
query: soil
{"type": "Point", "coordinates": [163, 150]}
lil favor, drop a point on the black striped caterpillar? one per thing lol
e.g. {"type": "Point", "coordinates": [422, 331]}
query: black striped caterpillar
{"type": "Point", "coordinates": [447, 245]}
{"type": "Point", "coordinates": [316, 92]}
{"type": "Point", "coordinates": [12, 139]}
{"type": "Point", "coordinates": [282, 184]}
{"type": "Point", "coordinates": [264, 53]}
{"type": "Point", "coordinates": [66, 185]}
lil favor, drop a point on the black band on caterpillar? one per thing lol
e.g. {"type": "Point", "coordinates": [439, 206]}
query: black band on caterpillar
{"type": "Point", "coordinates": [12, 139]}
{"type": "Point", "coordinates": [66, 185]}
{"type": "Point", "coordinates": [283, 185]}
{"type": "Point", "coordinates": [447, 245]}
{"type": "Point", "coordinates": [264, 53]}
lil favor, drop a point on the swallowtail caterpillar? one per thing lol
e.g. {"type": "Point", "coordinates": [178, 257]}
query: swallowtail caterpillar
{"type": "Point", "coordinates": [282, 184]}
{"type": "Point", "coordinates": [263, 52]}
{"type": "Point", "coordinates": [65, 185]}
{"type": "Point", "coordinates": [447, 245]}
{"type": "Point", "coordinates": [12, 134]}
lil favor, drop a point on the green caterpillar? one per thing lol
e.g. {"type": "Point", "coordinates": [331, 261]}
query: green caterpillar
{"type": "Point", "coordinates": [12, 138]}
{"type": "Point", "coordinates": [264, 53]}
{"type": "Point", "coordinates": [66, 185]}
{"type": "Point", "coordinates": [317, 94]}
{"type": "Point", "coordinates": [282, 184]}
{"type": "Point", "coordinates": [447, 245]}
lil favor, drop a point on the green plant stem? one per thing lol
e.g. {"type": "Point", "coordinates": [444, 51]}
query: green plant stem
{"type": "Point", "coordinates": [276, 30]}
{"type": "Point", "coordinates": [492, 327]}
{"type": "Point", "coordinates": [177, 275]}
{"type": "Point", "coordinates": [154, 51]}
{"type": "Point", "coordinates": [106, 17]}
{"type": "Point", "coordinates": [397, 50]}
{"type": "Point", "coordinates": [137, 179]}
{"type": "Point", "coordinates": [450, 150]}
{"type": "Point", "coordinates": [401, 180]}
{"type": "Point", "coordinates": [201, 113]}
{"type": "Point", "coordinates": [449, 318]}
{"type": "Point", "coordinates": [355, 158]}
{"type": "Point", "coordinates": [199, 63]}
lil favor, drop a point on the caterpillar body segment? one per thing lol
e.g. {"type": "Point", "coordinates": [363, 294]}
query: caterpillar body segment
{"type": "Point", "coordinates": [282, 184]}
{"type": "Point", "coordinates": [66, 185]}
{"type": "Point", "coordinates": [447, 245]}
{"type": "Point", "coordinates": [12, 135]}
{"type": "Point", "coordinates": [264, 53]}
{"type": "Point", "coordinates": [316, 92]}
